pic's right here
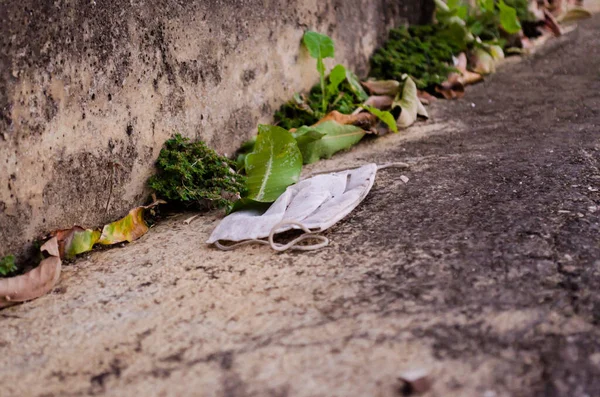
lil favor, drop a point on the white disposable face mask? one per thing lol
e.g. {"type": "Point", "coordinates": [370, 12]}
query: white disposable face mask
{"type": "Point", "coordinates": [312, 205]}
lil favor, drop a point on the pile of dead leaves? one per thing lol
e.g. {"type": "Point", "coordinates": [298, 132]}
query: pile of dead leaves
{"type": "Point", "coordinates": [545, 20]}
{"type": "Point", "coordinates": [65, 245]}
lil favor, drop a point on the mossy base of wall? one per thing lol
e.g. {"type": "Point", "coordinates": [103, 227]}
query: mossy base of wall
{"type": "Point", "coordinates": [89, 91]}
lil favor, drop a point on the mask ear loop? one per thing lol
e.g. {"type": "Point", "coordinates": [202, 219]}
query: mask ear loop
{"type": "Point", "coordinates": [308, 235]}
{"type": "Point", "coordinates": [238, 245]}
{"type": "Point", "coordinates": [292, 245]}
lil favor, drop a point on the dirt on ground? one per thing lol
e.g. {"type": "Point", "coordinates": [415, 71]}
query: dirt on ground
{"type": "Point", "coordinates": [483, 269]}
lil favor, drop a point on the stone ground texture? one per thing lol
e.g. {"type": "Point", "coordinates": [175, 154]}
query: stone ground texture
{"type": "Point", "coordinates": [483, 269]}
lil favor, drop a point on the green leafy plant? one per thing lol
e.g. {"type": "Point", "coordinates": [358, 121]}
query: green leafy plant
{"type": "Point", "coordinates": [191, 173]}
{"type": "Point", "coordinates": [343, 97]}
{"type": "Point", "coordinates": [319, 46]}
{"type": "Point", "coordinates": [340, 90]}
{"type": "Point", "coordinates": [325, 139]}
{"type": "Point", "coordinates": [7, 265]}
{"type": "Point", "coordinates": [508, 18]}
{"type": "Point", "coordinates": [336, 77]}
{"type": "Point", "coordinates": [274, 163]}
{"type": "Point", "coordinates": [485, 19]}
{"type": "Point", "coordinates": [423, 52]}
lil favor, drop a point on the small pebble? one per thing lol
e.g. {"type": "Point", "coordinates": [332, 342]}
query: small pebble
{"type": "Point", "coordinates": [416, 381]}
{"type": "Point", "coordinates": [404, 178]}
{"type": "Point", "coordinates": [569, 269]}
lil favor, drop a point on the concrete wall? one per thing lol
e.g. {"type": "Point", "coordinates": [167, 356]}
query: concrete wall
{"type": "Point", "coordinates": [90, 90]}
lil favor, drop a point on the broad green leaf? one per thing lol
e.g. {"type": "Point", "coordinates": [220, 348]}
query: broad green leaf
{"type": "Point", "coordinates": [462, 12]}
{"type": "Point", "coordinates": [74, 241]}
{"type": "Point", "coordinates": [318, 45]}
{"type": "Point", "coordinates": [128, 228]}
{"type": "Point", "coordinates": [248, 204]}
{"type": "Point", "coordinates": [452, 4]}
{"type": "Point", "coordinates": [458, 33]}
{"type": "Point", "coordinates": [486, 5]}
{"type": "Point", "coordinates": [305, 135]}
{"type": "Point", "coordinates": [384, 116]}
{"type": "Point", "coordinates": [274, 164]}
{"type": "Point", "coordinates": [336, 76]}
{"type": "Point", "coordinates": [409, 104]}
{"type": "Point", "coordinates": [335, 137]}
{"type": "Point", "coordinates": [355, 86]}
{"type": "Point", "coordinates": [508, 18]}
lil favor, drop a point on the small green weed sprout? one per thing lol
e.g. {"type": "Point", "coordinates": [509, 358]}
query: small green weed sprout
{"type": "Point", "coordinates": [7, 265]}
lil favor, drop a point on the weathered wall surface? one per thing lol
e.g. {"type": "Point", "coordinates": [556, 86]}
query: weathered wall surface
{"type": "Point", "coordinates": [90, 90]}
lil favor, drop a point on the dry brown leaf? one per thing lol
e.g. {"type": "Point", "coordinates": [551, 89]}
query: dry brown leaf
{"type": "Point", "coordinates": [36, 282]}
{"type": "Point", "coordinates": [383, 87]}
{"type": "Point", "coordinates": [531, 45]}
{"type": "Point", "coordinates": [536, 10]}
{"type": "Point", "coordinates": [482, 61]}
{"type": "Point", "coordinates": [421, 111]}
{"type": "Point", "coordinates": [557, 7]}
{"type": "Point", "coordinates": [74, 241]}
{"type": "Point", "coordinates": [454, 86]}
{"type": "Point", "coordinates": [461, 62]}
{"type": "Point", "coordinates": [451, 89]}
{"type": "Point", "coordinates": [425, 97]}
{"type": "Point", "coordinates": [573, 14]}
{"type": "Point", "coordinates": [526, 44]}
{"type": "Point", "coordinates": [129, 228]}
{"type": "Point", "coordinates": [467, 77]}
{"type": "Point", "coordinates": [364, 120]}
{"type": "Point", "coordinates": [552, 23]}
{"type": "Point", "coordinates": [51, 247]}
{"type": "Point", "coordinates": [408, 103]}
{"type": "Point", "coordinates": [381, 102]}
